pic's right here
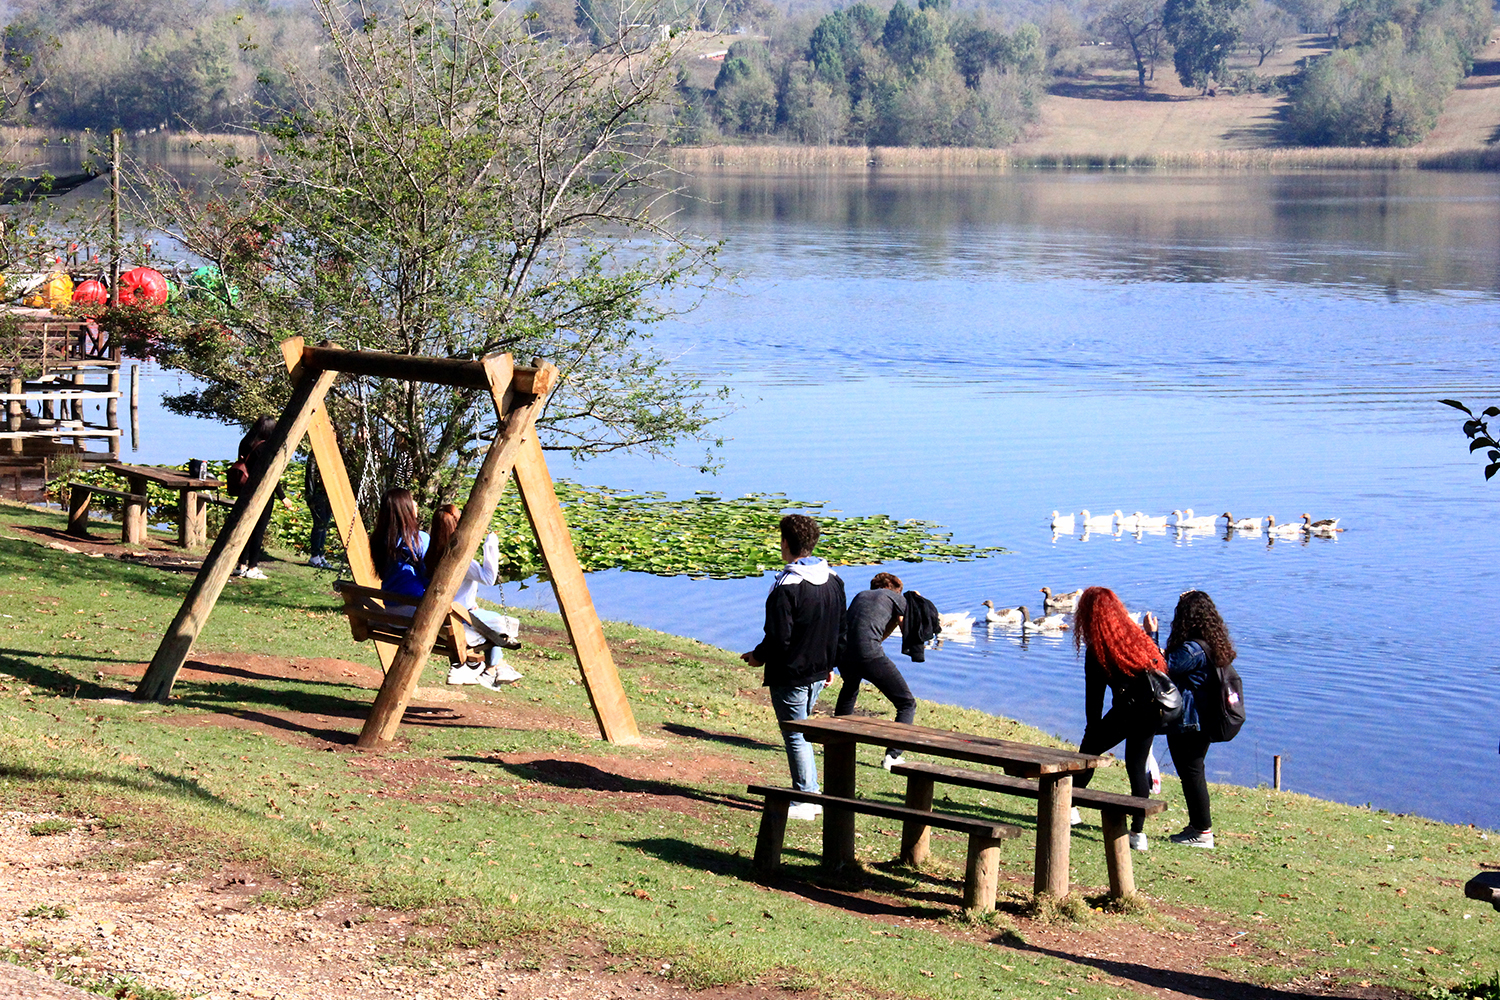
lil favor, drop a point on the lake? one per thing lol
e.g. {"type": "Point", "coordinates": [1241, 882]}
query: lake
{"type": "Point", "coordinates": [980, 350]}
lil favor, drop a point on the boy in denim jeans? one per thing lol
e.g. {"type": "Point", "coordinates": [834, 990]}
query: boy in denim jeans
{"type": "Point", "coordinates": [805, 636]}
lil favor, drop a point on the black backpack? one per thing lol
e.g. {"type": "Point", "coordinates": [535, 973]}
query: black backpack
{"type": "Point", "coordinates": [1221, 705]}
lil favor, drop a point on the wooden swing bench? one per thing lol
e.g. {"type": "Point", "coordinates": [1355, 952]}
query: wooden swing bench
{"type": "Point", "coordinates": [370, 617]}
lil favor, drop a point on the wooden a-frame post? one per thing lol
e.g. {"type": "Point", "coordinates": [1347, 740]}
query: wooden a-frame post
{"type": "Point", "coordinates": [518, 395]}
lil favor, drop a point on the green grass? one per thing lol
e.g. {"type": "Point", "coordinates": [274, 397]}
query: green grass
{"type": "Point", "coordinates": [494, 851]}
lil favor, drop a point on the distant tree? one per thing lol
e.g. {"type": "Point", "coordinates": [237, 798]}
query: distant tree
{"type": "Point", "coordinates": [911, 38]}
{"type": "Point", "coordinates": [1202, 33]}
{"type": "Point", "coordinates": [744, 92]}
{"type": "Point", "coordinates": [1134, 26]}
{"type": "Point", "coordinates": [1477, 429]}
{"type": "Point", "coordinates": [1263, 25]}
{"type": "Point", "coordinates": [1318, 16]}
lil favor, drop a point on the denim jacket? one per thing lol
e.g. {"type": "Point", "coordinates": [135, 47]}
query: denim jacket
{"type": "Point", "coordinates": [1188, 667]}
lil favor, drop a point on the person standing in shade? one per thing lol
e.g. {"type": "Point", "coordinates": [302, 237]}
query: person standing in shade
{"type": "Point", "coordinates": [255, 452]}
{"type": "Point", "coordinates": [804, 639]}
{"type": "Point", "coordinates": [321, 510]}
{"type": "Point", "coordinates": [873, 615]}
{"type": "Point", "coordinates": [1198, 646]}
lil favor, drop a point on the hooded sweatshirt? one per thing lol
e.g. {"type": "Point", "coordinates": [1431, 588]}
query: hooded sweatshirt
{"type": "Point", "coordinates": [804, 624]}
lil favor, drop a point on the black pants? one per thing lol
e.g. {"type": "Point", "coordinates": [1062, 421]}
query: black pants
{"type": "Point", "coordinates": [887, 680]}
{"type": "Point", "coordinates": [1188, 751]}
{"type": "Point", "coordinates": [1106, 734]}
{"type": "Point", "coordinates": [253, 552]}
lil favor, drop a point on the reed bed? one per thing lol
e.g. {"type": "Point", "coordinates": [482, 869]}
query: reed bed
{"type": "Point", "coordinates": [860, 158]}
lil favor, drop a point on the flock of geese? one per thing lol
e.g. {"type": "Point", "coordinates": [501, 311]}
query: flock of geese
{"type": "Point", "coordinates": [958, 623]}
{"type": "Point", "coordinates": [1186, 520]}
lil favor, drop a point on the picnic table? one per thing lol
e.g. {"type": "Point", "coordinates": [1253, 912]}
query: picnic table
{"type": "Point", "coordinates": [192, 509]}
{"type": "Point", "coordinates": [1051, 768]}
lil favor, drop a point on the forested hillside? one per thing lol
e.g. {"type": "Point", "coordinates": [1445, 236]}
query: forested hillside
{"type": "Point", "coordinates": [939, 73]}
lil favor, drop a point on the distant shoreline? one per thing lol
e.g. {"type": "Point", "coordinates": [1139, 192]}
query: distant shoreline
{"type": "Point", "coordinates": [859, 159]}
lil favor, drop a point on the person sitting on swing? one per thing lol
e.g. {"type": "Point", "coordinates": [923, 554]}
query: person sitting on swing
{"type": "Point", "coordinates": [398, 546]}
{"type": "Point", "coordinates": [495, 672]}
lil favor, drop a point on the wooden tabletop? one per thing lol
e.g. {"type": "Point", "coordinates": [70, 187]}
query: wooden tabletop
{"type": "Point", "coordinates": [1022, 760]}
{"type": "Point", "coordinates": [170, 478]}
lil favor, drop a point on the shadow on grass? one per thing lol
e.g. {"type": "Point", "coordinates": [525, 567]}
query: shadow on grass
{"type": "Point", "coordinates": [694, 733]}
{"type": "Point", "coordinates": [160, 782]}
{"type": "Point", "coordinates": [1191, 984]}
{"type": "Point", "coordinates": [1096, 90]}
{"type": "Point", "coordinates": [575, 774]}
{"type": "Point", "coordinates": [844, 889]}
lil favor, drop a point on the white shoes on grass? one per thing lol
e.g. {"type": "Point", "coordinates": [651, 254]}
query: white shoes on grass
{"type": "Point", "coordinates": [1138, 842]}
{"type": "Point", "coordinates": [249, 572]}
{"type": "Point", "coordinates": [1194, 838]}
{"type": "Point", "coordinates": [493, 678]}
{"type": "Point", "coordinates": [808, 811]}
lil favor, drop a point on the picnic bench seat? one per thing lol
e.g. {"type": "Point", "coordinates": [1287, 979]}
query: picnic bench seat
{"type": "Point", "coordinates": [981, 873]}
{"type": "Point", "coordinates": [80, 498]}
{"type": "Point", "coordinates": [1484, 887]}
{"type": "Point", "coordinates": [370, 617]}
{"type": "Point", "coordinates": [1116, 810]}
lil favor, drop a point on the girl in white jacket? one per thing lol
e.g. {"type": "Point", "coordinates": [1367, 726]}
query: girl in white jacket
{"type": "Point", "coordinates": [495, 672]}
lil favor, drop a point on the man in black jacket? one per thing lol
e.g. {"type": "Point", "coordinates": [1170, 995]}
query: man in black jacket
{"type": "Point", "coordinates": [804, 640]}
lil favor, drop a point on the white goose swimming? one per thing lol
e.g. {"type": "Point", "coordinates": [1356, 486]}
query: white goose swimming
{"type": "Point", "coordinates": [1102, 522]}
{"type": "Point", "coordinates": [1060, 602]}
{"type": "Point", "coordinates": [1243, 524]}
{"type": "Point", "coordinates": [1325, 527]}
{"type": "Point", "coordinates": [1185, 519]}
{"type": "Point", "coordinates": [1292, 530]}
{"type": "Point", "coordinates": [1143, 521]}
{"type": "Point", "coordinates": [955, 623]}
{"type": "Point", "coordinates": [1062, 523]}
{"type": "Point", "coordinates": [1051, 623]}
{"type": "Point", "coordinates": [1002, 616]}
{"type": "Point", "coordinates": [1131, 523]}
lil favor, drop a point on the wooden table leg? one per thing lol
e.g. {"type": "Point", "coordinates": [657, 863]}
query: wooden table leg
{"type": "Point", "coordinates": [838, 824]}
{"type": "Point", "coordinates": [79, 500]}
{"type": "Point", "coordinates": [1117, 860]}
{"type": "Point", "coordinates": [1054, 806]}
{"type": "Point", "coordinates": [134, 515]}
{"type": "Point", "coordinates": [192, 520]}
{"type": "Point", "coordinates": [916, 836]}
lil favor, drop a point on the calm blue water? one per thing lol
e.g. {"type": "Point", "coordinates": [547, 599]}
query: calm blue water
{"type": "Point", "coordinates": [980, 351]}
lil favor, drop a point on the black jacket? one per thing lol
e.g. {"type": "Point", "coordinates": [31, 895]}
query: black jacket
{"type": "Point", "coordinates": [918, 627]}
{"type": "Point", "coordinates": [805, 630]}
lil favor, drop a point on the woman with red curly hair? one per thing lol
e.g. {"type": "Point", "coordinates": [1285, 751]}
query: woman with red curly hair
{"type": "Point", "coordinates": [1117, 652]}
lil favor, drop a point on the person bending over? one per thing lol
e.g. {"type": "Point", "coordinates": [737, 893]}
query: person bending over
{"type": "Point", "coordinates": [804, 638]}
{"type": "Point", "coordinates": [1117, 653]}
{"type": "Point", "coordinates": [873, 615]}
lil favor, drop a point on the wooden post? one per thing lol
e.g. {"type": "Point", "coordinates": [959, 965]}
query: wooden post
{"type": "Point", "coordinates": [112, 412]}
{"type": "Point", "coordinates": [135, 408]}
{"type": "Point", "coordinates": [838, 824]}
{"type": "Point", "coordinates": [1116, 824]}
{"type": "Point", "coordinates": [406, 670]}
{"type": "Point", "coordinates": [1054, 805]}
{"type": "Point", "coordinates": [308, 391]}
{"type": "Point", "coordinates": [600, 678]}
{"type": "Point", "coordinates": [114, 221]}
{"type": "Point", "coordinates": [1276, 773]}
{"type": "Point", "coordinates": [982, 874]}
{"type": "Point", "coordinates": [916, 836]}
{"type": "Point", "coordinates": [14, 412]}
{"type": "Point", "coordinates": [341, 498]}
{"type": "Point", "coordinates": [772, 836]}
{"type": "Point", "coordinates": [134, 515]}
{"type": "Point", "coordinates": [78, 384]}
{"type": "Point", "coordinates": [78, 511]}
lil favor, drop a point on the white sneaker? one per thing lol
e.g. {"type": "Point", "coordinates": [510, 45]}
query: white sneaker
{"type": "Point", "coordinates": [890, 761]}
{"type": "Point", "coordinates": [498, 676]}
{"type": "Point", "coordinates": [253, 573]}
{"type": "Point", "coordinates": [1073, 818]}
{"type": "Point", "coordinates": [240, 570]}
{"type": "Point", "coordinates": [465, 675]}
{"type": "Point", "coordinates": [808, 811]}
{"type": "Point", "coordinates": [1138, 842]}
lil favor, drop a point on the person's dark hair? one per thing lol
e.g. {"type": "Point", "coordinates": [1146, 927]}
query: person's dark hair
{"type": "Point", "coordinates": [885, 581]}
{"type": "Point", "coordinates": [395, 538]}
{"type": "Point", "coordinates": [1197, 619]}
{"type": "Point", "coordinates": [1120, 646]}
{"type": "Point", "coordinates": [800, 533]}
{"type": "Point", "coordinates": [259, 433]}
{"type": "Point", "coordinates": [444, 524]}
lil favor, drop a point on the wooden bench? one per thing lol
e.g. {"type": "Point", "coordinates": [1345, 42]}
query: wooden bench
{"type": "Point", "coordinates": [1484, 887]}
{"type": "Point", "coordinates": [80, 498]}
{"type": "Point", "coordinates": [370, 617]}
{"type": "Point", "coordinates": [981, 874]}
{"type": "Point", "coordinates": [1116, 811]}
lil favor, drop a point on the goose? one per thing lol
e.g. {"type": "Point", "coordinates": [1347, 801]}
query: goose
{"type": "Point", "coordinates": [1131, 523]}
{"type": "Point", "coordinates": [1292, 530]}
{"type": "Point", "coordinates": [1185, 519]}
{"type": "Point", "coordinates": [1327, 526]}
{"type": "Point", "coordinates": [1062, 523]}
{"type": "Point", "coordinates": [955, 623]}
{"type": "Point", "coordinates": [1243, 524]}
{"type": "Point", "coordinates": [1002, 616]}
{"type": "Point", "coordinates": [1143, 521]}
{"type": "Point", "coordinates": [1051, 623]}
{"type": "Point", "coordinates": [1103, 522]}
{"type": "Point", "coordinates": [1060, 602]}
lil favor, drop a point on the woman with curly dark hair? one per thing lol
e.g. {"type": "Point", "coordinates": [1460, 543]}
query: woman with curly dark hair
{"type": "Point", "coordinates": [1198, 646]}
{"type": "Point", "coordinates": [1117, 652]}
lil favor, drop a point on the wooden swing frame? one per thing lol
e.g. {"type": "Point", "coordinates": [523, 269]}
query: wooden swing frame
{"type": "Point", "coordinates": [518, 395]}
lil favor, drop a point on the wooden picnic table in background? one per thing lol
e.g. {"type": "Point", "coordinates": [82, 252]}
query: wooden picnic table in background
{"type": "Point", "coordinates": [192, 510]}
{"type": "Point", "coordinates": [1053, 770]}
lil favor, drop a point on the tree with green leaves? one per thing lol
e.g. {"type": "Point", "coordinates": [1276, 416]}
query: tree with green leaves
{"type": "Point", "coordinates": [1134, 26]}
{"type": "Point", "coordinates": [452, 186]}
{"type": "Point", "coordinates": [1202, 33]}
